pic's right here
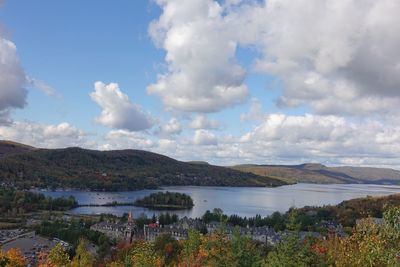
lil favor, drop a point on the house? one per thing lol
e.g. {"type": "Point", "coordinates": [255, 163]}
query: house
{"type": "Point", "coordinates": [118, 231]}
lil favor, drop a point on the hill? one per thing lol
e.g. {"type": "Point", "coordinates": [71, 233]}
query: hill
{"type": "Point", "coordinates": [12, 148]}
{"type": "Point", "coordinates": [113, 170]}
{"type": "Point", "coordinates": [318, 173]}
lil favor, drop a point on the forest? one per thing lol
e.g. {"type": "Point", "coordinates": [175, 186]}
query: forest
{"type": "Point", "coordinates": [19, 202]}
{"type": "Point", "coordinates": [166, 200]}
{"type": "Point", "coordinates": [117, 170]}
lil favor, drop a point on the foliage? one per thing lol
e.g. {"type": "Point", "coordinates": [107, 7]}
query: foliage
{"type": "Point", "coordinates": [166, 200]}
{"type": "Point", "coordinates": [57, 257]}
{"type": "Point", "coordinates": [72, 232]}
{"type": "Point", "coordinates": [292, 253]}
{"type": "Point", "coordinates": [293, 223]}
{"type": "Point", "coordinates": [168, 248]}
{"type": "Point", "coordinates": [82, 255]}
{"type": "Point", "coordinates": [320, 174]}
{"type": "Point", "coordinates": [114, 170]}
{"type": "Point", "coordinates": [309, 218]}
{"type": "Point", "coordinates": [143, 255]}
{"type": "Point", "coordinates": [371, 244]}
{"type": "Point", "coordinates": [26, 201]}
{"type": "Point", "coordinates": [12, 258]}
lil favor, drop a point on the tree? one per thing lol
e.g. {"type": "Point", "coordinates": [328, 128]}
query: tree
{"type": "Point", "coordinates": [82, 255]}
{"type": "Point", "coordinates": [244, 251]}
{"type": "Point", "coordinates": [191, 254]}
{"type": "Point", "coordinates": [168, 248]}
{"type": "Point", "coordinates": [371, 244]}
{"type": "Point", "coordinates": [143, 255]}
{"type": "Point", "coordinates": [57, 257]}
{"type": "Point", "coordinates": [290, 252]}
{"type": "Point", "coordinates": [12, 258]}
{"type": "Point", "coordinates": [293, 220]}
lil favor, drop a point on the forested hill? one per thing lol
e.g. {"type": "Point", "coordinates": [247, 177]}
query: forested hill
{"type": "Point", "coordinates": [12, 148]}
{"type": "Point", "coordinates": [318, 173]}
{"type": "Point", "coordinates": [113, 170]}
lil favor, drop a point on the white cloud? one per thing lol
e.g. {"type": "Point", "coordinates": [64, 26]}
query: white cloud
{"type": "Point", "coordinates": [255, 113]}
{"type": "Point", "coordinates": [44, 135]}
{"type": "Point", "coordinates": [122, 139]}
{"type": "Point", "coordinates": [330, 139]}
{"type": "Point", "coordinates": [202, 122]}
{"type": "Point", "coordinates": [12, 80]}
{"type": "Point", "coordinates": [339, 57]}
{"type": "Point", "coordinates": [202, 75]}
{"type": "Point", "coordinates": [118, 111]}
{"type": "Point", "coordinates": [43, 87]}
{"type": "Point", "coordinates": [279, 139]}
{"type": "Point", "coordinates": [173, 126]}
{"type": "Point", "coordinates": [204, 137]}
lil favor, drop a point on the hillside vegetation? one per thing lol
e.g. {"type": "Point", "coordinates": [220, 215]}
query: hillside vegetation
{"type": "Point", "coordinates": [166, 200]}
{"type": "Point", "coordinates": [113, 170]}
{"type": "Point", "coordinates": [318, 173]}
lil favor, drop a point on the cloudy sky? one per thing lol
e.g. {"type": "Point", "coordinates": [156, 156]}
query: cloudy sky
{"type": "Point", "coordinates": [230, 81]}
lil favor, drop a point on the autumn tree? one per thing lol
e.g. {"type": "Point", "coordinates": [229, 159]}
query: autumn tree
{"type": "Point", "coordinates": [168, 248]}
{"type": "Point", "coordinates": [12, 258]}
{"type": "Point", "coordinates": [371, 244]}
{"type": "Point", "coordinates": [57, 257]}
{"type": "Point", "coordinates": [291, 252]}
{"type": "Point", "coordinates": [82, 255]}
{"type": "Point", "coordinates": [143, 255]}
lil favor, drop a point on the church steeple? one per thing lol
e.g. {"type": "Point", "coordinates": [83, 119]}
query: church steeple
{"type": "Point", "coordinates": [130, 229]}
{"type": "Point", "coordinates": [130, 217]}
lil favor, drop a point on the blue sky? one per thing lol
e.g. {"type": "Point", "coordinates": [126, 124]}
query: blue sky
{"type": "Point", "coordinates": [79, 43]}
{"type": "Point", "coordinates": [227, 81]}
{"type": "Point", "coordinates": [82, 42]}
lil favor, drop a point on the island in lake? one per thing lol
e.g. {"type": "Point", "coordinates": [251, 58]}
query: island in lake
{"type": "Point", "coordinates": [166, 200]}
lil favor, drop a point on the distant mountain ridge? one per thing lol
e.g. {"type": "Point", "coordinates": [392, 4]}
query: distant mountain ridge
{"type": "Point", "coordinates": [12, 148]}
{"type": "Point", "coordinates": [116, 170]}
{"type": "Point", "coordinates": [318, 173]}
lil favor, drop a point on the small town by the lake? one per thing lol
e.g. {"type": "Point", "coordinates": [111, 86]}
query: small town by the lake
{"type": "Point", "coordinates": [200, 133]}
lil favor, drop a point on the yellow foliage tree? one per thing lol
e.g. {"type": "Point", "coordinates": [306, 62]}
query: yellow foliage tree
{"type": "Point", "coordinates": [57, 257]}
{"type": "Point", "coordinates": [143, 255]}
{"type": "Point", "coordinates": [12, 258]}
{"type": "Point", "coordinates": [82, 255]}
{"type": "Point", "coordinates": [371, 244]}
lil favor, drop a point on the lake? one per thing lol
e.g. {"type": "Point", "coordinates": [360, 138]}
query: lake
{"type": "Point", "coordinates": [244, 201]}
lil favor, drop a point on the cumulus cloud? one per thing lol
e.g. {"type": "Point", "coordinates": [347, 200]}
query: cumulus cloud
{"type": "Point", "coordinates": [44, 135]}
{"type": "Point", "coordinates": [12, 80]}
{"type": "Point", "coordinates": [173, 126]}
{"type": "Point", "coordinates": [336, 56]}
{"type": "Point", "coordinates": [118, 111]}
{"type": "Point", "coordinates": [255, 113]}
{"type": "Point", "coordinates": [122, 139]}
{"type": "Point", "coordinates": [204, 137]}
{"type": "Point", "coordinates": [202, 75]}
{"type": "Point", "coordinates": [202, 122]}
{"type": "Point", "coordinates": [279, 139]}
{"type": "Point", "coordinates": [318, 138]}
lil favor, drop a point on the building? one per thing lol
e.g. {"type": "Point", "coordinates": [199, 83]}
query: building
{"type": "Point", "coordinates": [118, 231]}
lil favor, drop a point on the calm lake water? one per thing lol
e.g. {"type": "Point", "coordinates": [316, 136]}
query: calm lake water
{"type": "Point", "coordinates": [244, 201]}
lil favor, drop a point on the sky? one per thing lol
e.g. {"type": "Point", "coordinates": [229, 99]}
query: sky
{"type": "Point", "coordinates": [227, 82]}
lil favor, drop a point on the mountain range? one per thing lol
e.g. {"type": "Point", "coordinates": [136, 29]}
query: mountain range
{"type": "Point", "coordinates": [116, 170]}
{"type": "Point", "coordinates": [318, 173]}
{"type": "Point", "coordinates": [26, 166]}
